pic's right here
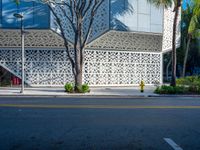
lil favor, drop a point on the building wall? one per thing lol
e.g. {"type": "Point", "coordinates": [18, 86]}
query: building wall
{"type": "Point", "coordinates": [112, 57]}
{"type": "Point", "coordinates": [128, 41]}
{"type": "Point", "coordinates": [43, 67]}
{"type": "Point", "coordinates": [124, 58]}
{"type": "Point", "coordinates": [119, 68]}
{"type": "Point", "coordinates": [168, 30]}
{"type": "Point", "coordinates": [36, 15]}
{"type": "Point", "coordinates": [136, 15]}
{"type": "Point", "coordinates": [50, 67]}
{"type": "Point", "coordinates": [100, 24]}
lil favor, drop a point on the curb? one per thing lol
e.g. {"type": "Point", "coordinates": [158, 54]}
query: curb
{"type": "Point", "coordinates": [95, 95]}
{"type": "Point", "coordinates": [75, 96]}
{"type": "Point", "coordinates": [166, 95]}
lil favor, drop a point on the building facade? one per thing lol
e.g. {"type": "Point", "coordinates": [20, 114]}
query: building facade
{"type": "Point", "coordinates": [126, 45]}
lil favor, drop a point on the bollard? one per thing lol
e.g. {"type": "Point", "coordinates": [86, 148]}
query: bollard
{"type": "Point", "coordinates": [142, 86]}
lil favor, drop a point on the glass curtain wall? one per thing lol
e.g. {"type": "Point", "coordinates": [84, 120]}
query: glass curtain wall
{"type": "Point", "coordinates": [36, 15]}
{"type": "Point", "coordinates": [136, 15]}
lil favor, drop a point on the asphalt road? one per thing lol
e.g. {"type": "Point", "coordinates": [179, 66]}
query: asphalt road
{"type": "Point", "coordinates": [99, 123]}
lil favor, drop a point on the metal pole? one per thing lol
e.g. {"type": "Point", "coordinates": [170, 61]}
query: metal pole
{"type": "Point", "coordinates": [22, 44]}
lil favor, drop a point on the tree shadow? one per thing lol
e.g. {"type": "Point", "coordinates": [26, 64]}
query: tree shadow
{"type": "Point", "coordinates": [35, 14]}
{"type": "Point", "coordinates": [118, 9]}
{"type": "Point", "coordinates": [30, 8]}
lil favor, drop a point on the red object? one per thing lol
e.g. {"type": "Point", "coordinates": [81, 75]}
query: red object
{"type": "Point", "coordinates": [16, 80]}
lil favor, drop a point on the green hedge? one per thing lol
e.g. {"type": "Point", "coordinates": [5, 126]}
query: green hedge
{"type": "Point", "coordinates": [186, 85]}
{"type": "Point", "coordinates": [189, 80]}
{"type": "Point", "coordinates": [165, 89]}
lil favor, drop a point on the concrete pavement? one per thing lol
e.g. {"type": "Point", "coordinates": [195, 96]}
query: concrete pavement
{"type": "Point", "coordinates": [95, 91]}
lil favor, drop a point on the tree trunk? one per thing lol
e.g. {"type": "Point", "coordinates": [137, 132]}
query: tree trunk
{"type": "Point", "coordinates": [78, 78]}
{"type": "Point", "coordinates": [79, 69]}
{"type": "Point", "coordinates": [174, 61]}
{"type": "Point", "coordinates": [186, 56]}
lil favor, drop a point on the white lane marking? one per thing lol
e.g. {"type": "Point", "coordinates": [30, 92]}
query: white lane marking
{"type": "Point", "coordinates": [173, 144]}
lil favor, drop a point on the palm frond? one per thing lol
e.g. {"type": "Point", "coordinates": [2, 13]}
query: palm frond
{"type": "Point", "coordinates": [159, 3]}
{"type": "Point", "coordinates": [17, 2]}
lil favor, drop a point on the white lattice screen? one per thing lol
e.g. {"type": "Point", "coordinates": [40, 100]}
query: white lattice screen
{"type": "Point", "coordinates": [104, 67]}
{"type": "Point", "coordinates": [168, 28]}
{"type": "Point", "coordinates": [42, 67]}
{"type": "Point", "coordinates": [101, 67]}
{"type": "Point", "coordinates": [128, 41]}
{"type": "Point", "coordinates": [100, 24]}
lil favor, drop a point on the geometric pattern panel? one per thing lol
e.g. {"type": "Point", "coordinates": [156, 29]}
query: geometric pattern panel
{"type": "Point", "coordinates": [101, 20]}
{"type": "Point", "coordinates": [128, 41]}
{"type": "Point", "coordinates": [34, 38]}
{"type": "Point", "coordinates": [51, 67]}
{"type": "Point", "coordinates": [99, 26]}
{"type": "Point", "coordinates": [168, 29]}
{"type": "Point", "coordinates": [42, 67]}
{"type": "Point", "coordinates": [121, 67]}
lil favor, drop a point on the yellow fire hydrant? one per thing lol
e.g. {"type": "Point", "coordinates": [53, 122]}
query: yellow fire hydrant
{"type": "Point", "coordinates": [142, 86]}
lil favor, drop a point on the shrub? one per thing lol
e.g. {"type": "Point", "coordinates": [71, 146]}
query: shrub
{"type": "Point", "coordinates": [164, 89]}
{"type": "Point", "coordinates": [194, 89]}
{"type": "Point", "coordinates": [69, 87]}
{"type": "Point", "coordinates": [192, 82]}
{"type": "Point", "coordinates": [83, 88]}
{"type": "Point", "coordinates": [189, 80]}
{"type": "Point", "coordinates": [186, 85]}
{"type": "Point", "coordinates": [180, 90]}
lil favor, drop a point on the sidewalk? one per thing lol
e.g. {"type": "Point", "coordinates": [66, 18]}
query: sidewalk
{"type": "Point", "coordinates": [95, 91]}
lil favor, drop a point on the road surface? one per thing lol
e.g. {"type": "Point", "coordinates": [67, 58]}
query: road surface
{"type": "Point", "coordinates": [48, 123]}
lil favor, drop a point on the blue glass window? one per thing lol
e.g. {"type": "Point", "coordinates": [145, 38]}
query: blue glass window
{"type": "Point", "coordinates": [36, 15]}
{"type": "Point", "coordinates": [0, 13]}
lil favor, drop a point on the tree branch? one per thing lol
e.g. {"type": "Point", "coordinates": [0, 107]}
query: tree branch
{"type": "Point", "coordinates": [65, 40]}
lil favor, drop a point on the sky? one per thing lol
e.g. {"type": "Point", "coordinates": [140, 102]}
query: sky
{"type": "Point", "coordinates": [184, 3]}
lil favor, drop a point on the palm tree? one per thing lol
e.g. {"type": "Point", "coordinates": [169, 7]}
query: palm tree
{"type": "Point", "coordinates": [17, 2]}
{"type": "Point", "coordinates": [177, 5]}
{"type": "Point", "coordinates": [196, 4]}
{"type": "Point", "coordinates": [190, 27]}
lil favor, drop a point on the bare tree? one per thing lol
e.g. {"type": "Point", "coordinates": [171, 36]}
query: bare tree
{"type": "Point", "coordinates": [79, 15]}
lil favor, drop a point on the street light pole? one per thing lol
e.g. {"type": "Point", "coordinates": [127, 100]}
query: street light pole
{"type": "Point", "coordinates": [20, 16]}
{"type": "Point", "coordinates": [22, 44]}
